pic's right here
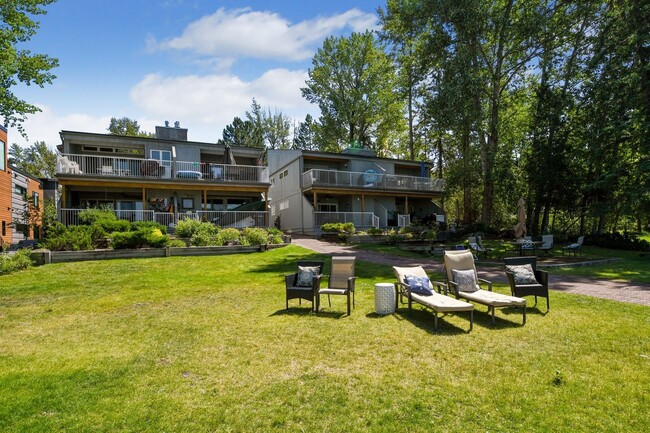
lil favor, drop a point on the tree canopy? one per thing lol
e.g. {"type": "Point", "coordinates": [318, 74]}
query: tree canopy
{"type": "Point", "coordinates": [19, 65]}
{"type": "Point", "coordinates": [127, 126]}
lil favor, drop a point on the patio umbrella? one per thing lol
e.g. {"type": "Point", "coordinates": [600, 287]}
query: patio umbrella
{"type": "Point", "coordinates": [520, 228]}
{"type": "Point", "coordinates": [228, 157]}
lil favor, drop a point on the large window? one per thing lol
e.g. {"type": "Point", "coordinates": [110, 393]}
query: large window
{"type": "Point", "coordinates": [3, 153]}
{"type": "Point", "coordinates": [35, 200]}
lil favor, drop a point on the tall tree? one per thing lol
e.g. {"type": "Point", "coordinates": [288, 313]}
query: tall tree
{"type": "Point", "coordinates": [276, 129]}
{"type": "Point", "coordinates": [37, 160]}
{"type": "Point", "coordinates": [304, 135]}
{"type": "Point", "coordinates": [16, 27]}
{"type": "Point", "coordinates": [256, 119]}
{"type": "Point", "coordinates": [240, 133]}
{"type": "Point", "coordinates": [352, 82]}
{"type": "Point", "coordinates": [127, 126]}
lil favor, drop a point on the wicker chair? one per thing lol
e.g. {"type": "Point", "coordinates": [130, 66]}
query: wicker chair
{"type": "Point", "coordinates": [519, 288]}
{"type": "Point", "coordinates": [297, 289]}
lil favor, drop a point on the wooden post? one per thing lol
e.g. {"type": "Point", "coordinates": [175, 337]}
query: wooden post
{"type": "Point", "coordinates": [205, 199]}
{"type": "Point", "coordinates": [144, 199]}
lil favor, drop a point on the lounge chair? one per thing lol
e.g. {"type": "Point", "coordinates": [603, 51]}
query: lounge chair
{"type": "Point", "coordinates": [463, 282]}
{"type": "Point", "coordinates": [305, 283]}
{"type": "Point", "coordinates": [525, 279]}
{"type": "Point", "coordinates": [547, 245]}
{"type": "Point", "coordinates": [574, 248]}
{"type": "Point", "coordinates": [475, 247]}
{"type": "Point", "coordinates": [340, 282]}
{"type": "Point", "coordinates": [429, 298]}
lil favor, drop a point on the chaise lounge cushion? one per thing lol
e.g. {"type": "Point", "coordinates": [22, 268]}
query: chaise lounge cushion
{"type": "Point", "coordinates": [523, 274]}
{"type": "Point", "coordinates": [441, 303]}
{"type": "Point", "coordinates": [493, 299]}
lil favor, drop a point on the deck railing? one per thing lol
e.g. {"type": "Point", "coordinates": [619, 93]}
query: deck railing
{"type": "Point", "coordinates": [359, 219]}
{"type": "Point", "coordinates": [370, 179]}
{"type": "Point", "coordinates": [109, 166]}
{"type": "Point", "coordinates": [238, 219]}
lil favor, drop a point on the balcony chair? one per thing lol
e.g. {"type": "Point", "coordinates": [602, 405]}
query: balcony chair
{"type": "Point", "coordinates": [305, 283]}
{"type": "Point", "coordinates": [107, 170]}
{"type": "Point", "coordinates": [463, 282]}
{"type": "Point", "coordinates": [413, 283]}
{"type": "Point", "coordinates": [574, 248]}
{"type": "Point", "coordinates": [340, 282]}
{"type": "Point", "coordinates": [525, 279]}
{"type": "Point", "coordinates": [475, 247]}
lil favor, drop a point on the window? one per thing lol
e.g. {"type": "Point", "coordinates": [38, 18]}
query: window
{"type": "Point", "coordinates": [4, 228]}
{"type": "Point", "coordinates": [164, 156]}
{"type": "Point", "coordinates": [20, 190]}
{"type": "Point", "coordinates": [327, 207]}
{"type": "Point", "coordinates": [3, 154]}
{"type": "Point", "coordinates": [284, 174]}
{"type": "Point", "coordinates": [188, 203]}
{"type": "Point", "coordinates": [35, 199]}
{"type": "Point", "coordinates": [284, 205]}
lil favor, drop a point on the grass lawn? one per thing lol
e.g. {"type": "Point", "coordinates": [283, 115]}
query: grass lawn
{"type": "Point", "coordinates": [187, 344]}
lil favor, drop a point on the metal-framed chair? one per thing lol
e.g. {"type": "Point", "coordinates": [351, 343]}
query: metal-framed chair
{"type": "Point", "coordinates": [521, 283]}
{"type": "Point", "coordinates": [340, 282]}
{"type": "Point", "coordinates": [305, 283]}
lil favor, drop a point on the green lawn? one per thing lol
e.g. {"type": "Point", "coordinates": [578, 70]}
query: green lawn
{"type": "Point", "coordinates": [186, 344]}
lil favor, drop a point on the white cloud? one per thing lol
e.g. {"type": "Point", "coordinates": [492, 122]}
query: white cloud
{"type": "Point", "coordinates": [263, 35]}
{"type": "Point", "coordinates": [208, 103]}
{"type": "Point", "coordinates": [45, 126]}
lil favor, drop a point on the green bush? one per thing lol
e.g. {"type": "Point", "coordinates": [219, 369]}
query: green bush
{"type": "Point", "coordinates": [177, 243]}
{"type": "Point", "coordinates": [230, 236]}
{"type": "Point", "coordinates": [150, 225]}
{"type": "Point", "coordinates": [205, 234]}
{"type": "Point", "coordinates": [374, 231]}
{"type": "Point", "coordinates": [187, 227]}
{"type": "Point", "coordinates": [74, 238]}
{"type": "Point", "coordinates": [341, 228]}
{"type": "Point", "coordinates": [110, 226]}
{"type": "Point", "coordinates": [255, 236]}
{"type": "Point", "coordinates": [15, 262]}
{"type": "Point", "coordinates": [88, 217]}
{"type": "Point", "coordinates": [143, 238]}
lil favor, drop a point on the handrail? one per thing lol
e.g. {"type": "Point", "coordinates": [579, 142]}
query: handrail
{"type": "Point", "coordinates": [361, 180]}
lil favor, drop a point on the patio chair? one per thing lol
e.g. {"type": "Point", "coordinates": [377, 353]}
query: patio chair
{"type": "Point", "coordinates": [479, 241]}
{"type": "Point", "coordinates": [420, 290]}
{"type": "Point", "coordinates": [547, 245]}
{"type": "Point", "coordinates": [305, 283]}
{"type": "Point", "coordinates": [340, 282]}
{"type": "Point", "coordinates": [475, 247]}
{"type": "Point", "coordinates": [525, 279]}
{"type": "Point", "coordinates": [527, 245]}
{"type": "Point", "coordinates": [463, 282]}
{"type": "Point", "coordinates": [575, 247]}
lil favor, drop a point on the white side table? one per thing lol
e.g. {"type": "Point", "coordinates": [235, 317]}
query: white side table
{"type": "Point", "coordinates": [384, 298]}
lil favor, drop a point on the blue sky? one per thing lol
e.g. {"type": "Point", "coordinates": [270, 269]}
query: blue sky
{"type": "Point", "coordinates": [198, 62]}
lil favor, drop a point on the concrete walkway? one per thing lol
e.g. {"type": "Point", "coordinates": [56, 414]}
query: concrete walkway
{"type": "Point", "coordinates": [634, 293]}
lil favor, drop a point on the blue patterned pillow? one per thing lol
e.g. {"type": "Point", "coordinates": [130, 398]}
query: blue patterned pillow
{"type": "Point", "coordinates": [523, 274]}
{"type": "Point", "coordinates": [419, 285]}
{"type": "Point", "coordinates": [306, 275]}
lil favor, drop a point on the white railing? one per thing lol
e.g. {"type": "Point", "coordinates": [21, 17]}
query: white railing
{"type": "Point", "coordinates": [403, 220]}
{"type": "Point", "coordinates": [359, 219]}
{"type": "Point", "coordinates": [318, 177]}
{"type": "Point", "coordinates": [109, 166]}
{"type": "Point", "coordinates": [238, 219]}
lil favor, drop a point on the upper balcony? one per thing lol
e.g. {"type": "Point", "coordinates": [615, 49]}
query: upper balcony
{"type": "Point", "coordinates": [370, 180]}
{"type": "Point", "coordinates": [134, 168]}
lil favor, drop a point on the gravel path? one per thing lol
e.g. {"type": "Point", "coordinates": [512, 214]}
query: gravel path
{"type": "Point", "coordinates": [634, 293]}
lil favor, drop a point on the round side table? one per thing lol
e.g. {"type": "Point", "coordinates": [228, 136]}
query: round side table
{"type": "Point", "coordinates": [384, 298]}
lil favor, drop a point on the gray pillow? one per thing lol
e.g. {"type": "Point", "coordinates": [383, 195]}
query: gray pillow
{"type": "Point", "coordinates": [306, 275]}
{"type": "Point", "coordinates": [523, 274]}
{"type": "Point", "coordinates": [465, 280]}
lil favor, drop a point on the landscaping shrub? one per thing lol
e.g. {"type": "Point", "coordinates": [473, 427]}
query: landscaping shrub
{"type": "Point", "coordinates": [74, 238]}
{"type": "Point", "coordinates": [255, 236]}
{"type": "Point", "coordinates": [15, 262]}
{"type": "Point", "coordinates": [375, 231]}
{"type": "Point", "coordinates": [230, 236]}
{"type": "Point", "coordinates": [104, 218]}
{"type": "Point", "coordinates": [341, 228]}
{"type": "Point", "coordinates": [142, 238]}
{"type": "Point", "coordinates": [618, 241]}
{"type": "Point", "coordinates": [150, 225]}
{"type": "Point", "coordinates": [177, 243]}
{"type": "Point", "coordinates": [205, 234]}
{"type": "Point", "coordinates": [187, 227]}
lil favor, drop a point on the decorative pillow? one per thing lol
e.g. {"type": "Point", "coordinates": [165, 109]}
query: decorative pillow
{"type": "Point", "coordinates": [474, 246]}
{"type": "Point", "coordinates": [419, 285]}
{"type": "Point", "coordinates": [465, 280]}
{"type": "Point", "coordinates": [523, 274]}
{"type": "Point", "coordinates": [306, 275]}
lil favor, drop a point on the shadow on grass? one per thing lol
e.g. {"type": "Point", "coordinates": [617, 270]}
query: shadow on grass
{"type": "Point", "coordinates": [425, 320]}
